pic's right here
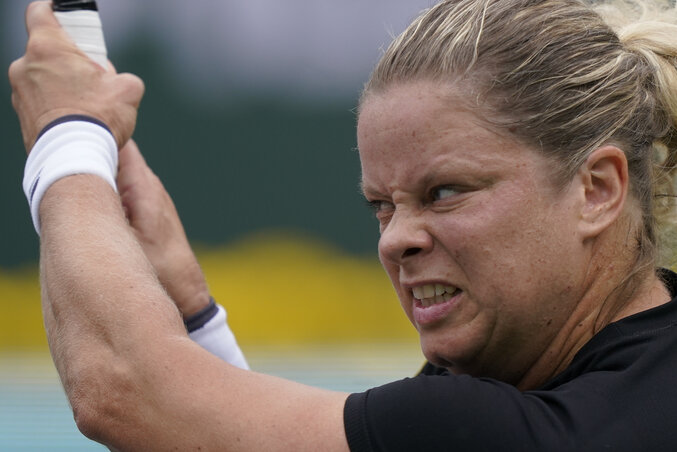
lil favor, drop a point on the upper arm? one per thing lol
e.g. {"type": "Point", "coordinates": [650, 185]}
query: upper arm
{"type": "Point", "coordinates": [433, 412]}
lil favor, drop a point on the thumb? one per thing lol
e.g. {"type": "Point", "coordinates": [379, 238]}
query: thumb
{"type": "Point", "coordinates": [45, 33]}
{"type": "Point", "coordinates": [39, 15]}
{"type": "Point", "coordinates": [132, 166]}
{"type": "Point", "coordinates": [46, 37]}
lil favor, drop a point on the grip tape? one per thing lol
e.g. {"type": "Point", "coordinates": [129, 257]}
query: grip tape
{"type": "Point", "coordinates": [84, 28]}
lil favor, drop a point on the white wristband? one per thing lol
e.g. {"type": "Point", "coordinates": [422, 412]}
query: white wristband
{"type": "Point", "coordinates": [68, 148]}
{"type": "Point", "coordinates": [215, 337]}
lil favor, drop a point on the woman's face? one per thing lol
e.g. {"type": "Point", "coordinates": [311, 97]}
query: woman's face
{"type": "Point", "coordinates": [481, 247]}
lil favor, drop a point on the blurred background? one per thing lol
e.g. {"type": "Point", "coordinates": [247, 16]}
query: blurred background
{"type": "Point", "coordinates": [249, 120]}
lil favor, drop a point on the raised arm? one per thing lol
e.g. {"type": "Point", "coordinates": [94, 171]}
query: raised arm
{"type": "Point", "coordinates": [133, 377]}
{"type": "Point", "coordinates": [156, 225]}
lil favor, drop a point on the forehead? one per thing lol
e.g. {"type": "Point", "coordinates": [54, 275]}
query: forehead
{"type": "Point", "coordinates": [429, 126]}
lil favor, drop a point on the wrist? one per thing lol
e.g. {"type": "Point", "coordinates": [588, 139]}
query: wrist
{"type": "Point", "coordinates": [198, 319]}
{"type": "Point", "coordinates": [209, 328]}
{"type": "Point", "coordinates": [67, 146]}
{"type": "Point", "coordinates": [193, 305]}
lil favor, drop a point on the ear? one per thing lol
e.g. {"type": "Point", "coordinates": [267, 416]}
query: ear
{"type": "Point", "coordinates": [604, 178]}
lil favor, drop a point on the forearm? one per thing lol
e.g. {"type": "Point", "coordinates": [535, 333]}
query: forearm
{"type": "Point", "coordinates": [134, 379]}
{"type": "Point", "coordinates": [181, 276]}
{"type": "Point", "coordinates": [156, 224]}
{"type": "Point", "coordinates": [100, 297]}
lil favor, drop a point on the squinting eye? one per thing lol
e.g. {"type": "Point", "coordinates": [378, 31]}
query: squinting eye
{"type": "Point", "coordinates": [442, 192]}
{"type": "Point", "coordinates": [380, 206]}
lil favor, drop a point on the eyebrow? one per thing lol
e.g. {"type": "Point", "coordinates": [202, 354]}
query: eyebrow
{"type": "Point", "coordinates": [373, 193]}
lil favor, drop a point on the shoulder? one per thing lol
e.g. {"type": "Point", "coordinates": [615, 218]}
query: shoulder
{"type": "Point", "coordinates": [618, 392]}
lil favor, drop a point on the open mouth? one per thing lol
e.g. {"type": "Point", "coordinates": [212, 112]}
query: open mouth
{"type": "Point", "coordinates": [431, 294]}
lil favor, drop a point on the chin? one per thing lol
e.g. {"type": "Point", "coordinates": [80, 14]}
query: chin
{"type": "Point", "coordinates": [439, 356]}
{"type": "Point", "coordinates": [456, 358]}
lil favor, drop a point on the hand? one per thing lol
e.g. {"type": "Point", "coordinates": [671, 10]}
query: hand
{"type": "Point", "coordinates": [54, 78]}
{"type": "Point", "coordinates": [156, 224]}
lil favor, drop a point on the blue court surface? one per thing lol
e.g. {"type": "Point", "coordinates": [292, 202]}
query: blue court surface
{"type": "Point", "coordinates": [34, 413]}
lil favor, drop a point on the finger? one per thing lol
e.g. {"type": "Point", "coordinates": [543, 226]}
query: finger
{"type": "Point", "coordinates": [45, 34]}
{"type": "Point", "coordinates": [132, 168]}
{"type": "Point", "coordinates": [131, 155]}
{"type": "Point", "coordinates": [39, 15]}
{"type": "Point", "coordinates": [131, 162]}
{"type": "Point", "coordinates": [129, 91]}
{"type": "Point", "coordinates": [133, 88]}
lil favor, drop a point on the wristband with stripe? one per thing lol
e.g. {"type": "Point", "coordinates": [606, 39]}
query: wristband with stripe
{"type": "Point", "coordinates": [210, 330]}
{"type": "Point", "coordinates": [69, 145]}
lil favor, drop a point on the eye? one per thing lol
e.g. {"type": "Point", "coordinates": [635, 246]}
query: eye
{"type": "Point", "coordinates": [383, 211]}
{"type": "Point", "coordinates": [380, 207]}
{"type": "Point", "coordinates": [442, 192]}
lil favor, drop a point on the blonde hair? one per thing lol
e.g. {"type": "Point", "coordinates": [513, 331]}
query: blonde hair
{"type": "Point", "coordinates": [558, 76]}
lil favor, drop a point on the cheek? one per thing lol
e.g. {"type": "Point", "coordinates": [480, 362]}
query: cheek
{"type": "Point", "coordinates": [518, 262]}
{"type": "Point", "coordinates": [503, 241]}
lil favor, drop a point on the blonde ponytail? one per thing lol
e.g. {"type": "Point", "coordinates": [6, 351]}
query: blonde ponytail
{"type": "Point", "coordinates": [650, 31]}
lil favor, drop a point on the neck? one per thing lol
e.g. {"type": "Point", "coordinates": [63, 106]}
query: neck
{"type": "Point", "coordinates": [607, 298]}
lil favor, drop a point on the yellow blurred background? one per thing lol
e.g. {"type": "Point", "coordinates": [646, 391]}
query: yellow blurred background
{"type": "Point", "coordinates": [278, 288]}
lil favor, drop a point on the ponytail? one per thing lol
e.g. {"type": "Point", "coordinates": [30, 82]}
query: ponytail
{"type": "Point", "coordinates": [650, 31]}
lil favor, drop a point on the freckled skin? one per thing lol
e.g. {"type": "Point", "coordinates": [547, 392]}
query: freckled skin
{"type": "Point", "coordinates": [505, 236]}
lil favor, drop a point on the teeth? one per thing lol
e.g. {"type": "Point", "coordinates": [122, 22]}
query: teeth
{"type": "Point", "coordinates": [430, 294]}
{"type": "Point", "coordinates": [428, 291]}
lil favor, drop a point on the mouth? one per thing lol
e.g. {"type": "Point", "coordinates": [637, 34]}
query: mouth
{"type": "Point", "coordinates": [432, 294]}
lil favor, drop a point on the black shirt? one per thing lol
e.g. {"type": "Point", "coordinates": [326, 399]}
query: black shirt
{"type": "Point", "coordinates": [618, 394]}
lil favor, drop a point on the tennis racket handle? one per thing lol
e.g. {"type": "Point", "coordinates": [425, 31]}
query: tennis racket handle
{"type": "Point", "coordinates": [84, 28]}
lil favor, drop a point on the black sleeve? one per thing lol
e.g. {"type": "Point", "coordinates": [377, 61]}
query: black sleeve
{"type": "Point", "coordinates": [457, 413]}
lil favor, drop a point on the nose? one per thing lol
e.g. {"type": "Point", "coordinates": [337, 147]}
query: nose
{"type": "Point", "coordinates": [405, 236]}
